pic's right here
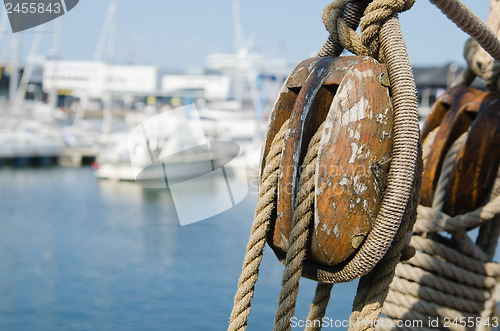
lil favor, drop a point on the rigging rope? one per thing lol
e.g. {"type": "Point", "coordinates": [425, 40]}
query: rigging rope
{"type": "Point", "coordinates": [257, 240]}
{"type": "Point", "coordinates": [442, 281]}
{"type": "Point", "coordinates": [381, 38]}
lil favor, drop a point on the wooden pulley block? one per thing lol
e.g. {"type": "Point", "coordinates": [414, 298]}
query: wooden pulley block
{"type": "Point", "coordinates": [459, 110]}
{"type": "Point", "coordinates": [351, 96]}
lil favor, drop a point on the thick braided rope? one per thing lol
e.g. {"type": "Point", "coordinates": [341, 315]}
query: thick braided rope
{"type": "Point", "coordinates": [340, 31]}
{"type": "Point", "coordinates": [488, 234]}
{"type": "Point", "coordinates": [426, 145]}
{"type": "Point", "coordinates": [405, 85]}
{"type": "Point", "coordinates": [468, 22]}
{"type": "Point", "coordinates": [431, 220]}
{"type": "Point", "coordinates": [376, 14]}
{"type": "Point", "coordinates": [488, 241]}
{"type": "Point", "coordinates": [302, 217]}
{"type": "Point", "coordinates": [481, 64]}
{"type": "Point", "coordinates": [441, 285]}
{"type": "Point", "coordinates": [467, 246]}
{"type": "Point", "coordinates": [260, 227]}
{"type": "Point", "coordinates": [493, 234]}
{"type": "Point", "coordinates": [432, 247]}
{"type": "Point", "coordinates": [318, 307]}
{"type": "Point", "coordinates": [478, 60]}
{"type": "Point", "coordinates": [431, 295]}
{"type": "Point", "coordinates": [405, 147]}
{"type": "Point", "coordinates": [447, 170]}
{"type": "Point", "coordinates": [349, 12]}
{"type": "Point", "coordinates": [466, 78]}
{"type": "Point", "coordinates": [415, 290]}
{"type": "Point", "coordinates": [440, 281]}
{"type": "Point", "coordinates": [425, 307]}
{"type": "Point", "coordinates": [449, 270]}
{"type": "Point", "coordinates": [369, 300]}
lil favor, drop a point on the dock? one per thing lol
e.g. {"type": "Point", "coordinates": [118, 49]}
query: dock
{"type": "Point", "coordinates": [68, 157]}
{"type": "Point", "coordinates": [77, 156]}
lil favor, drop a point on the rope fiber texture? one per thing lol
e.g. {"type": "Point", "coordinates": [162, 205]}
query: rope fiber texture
{"type": "Point", "coordinates": [302, 217]}
{"type": "Point", "coordinates": [402, 190]}
{"type": "Point", "coordinates": [341, 19]}
{"type": "Point", "coordinates": [468, 22]}
{"type": "Point", "coordinates": [450, 276]}
{"type": "Point", "coordinates": [404, 164]}
{"type": "Point", "coordinates": [375, 262]}
{"type": "Point", "coordinates": [260, 226]}
{"type": "Point", "coordinates": [480, 63]}
{"type": "Point", "coordinates": [398, 193]}
{"type": "Point", "coordinates": [349, 13]}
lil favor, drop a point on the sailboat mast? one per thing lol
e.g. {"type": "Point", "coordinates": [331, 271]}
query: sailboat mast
{"type": "Point", "coordinates": [14, 72]}
{"type": "Point", "coordinates": [236, 26]}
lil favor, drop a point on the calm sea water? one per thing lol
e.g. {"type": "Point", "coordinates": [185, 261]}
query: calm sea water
{"type": "Point", "coordinates": [82, 254]}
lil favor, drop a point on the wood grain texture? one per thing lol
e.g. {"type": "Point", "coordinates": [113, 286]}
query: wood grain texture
{"type": "Point", "coordinates": [309, 111]}
{"type": "Point", "coordinates": [351, 95]}
{"type": "Point", "coordinates": [356, 142]}
{"type": "Point", "coordinates": [453, 96]}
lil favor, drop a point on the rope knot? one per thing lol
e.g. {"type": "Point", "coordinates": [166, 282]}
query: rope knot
{"type": "Point", "coordinates": [374, 17]}
{"type": "Point", "coordinates": [335, 24]}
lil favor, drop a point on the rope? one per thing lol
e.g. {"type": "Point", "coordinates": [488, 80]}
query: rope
{"type": "Point", "coordinates": [466, 78]}
{"type": "Point", "coordinates": [451, 279]}
{"type": "Point", "coordinates": [401, 175]}
{"type": "Point", "coordinates": [265, 208]}
{"type": "Point", "coordinates": [426, 146]}
{"type": "Point", "coordinates": [441, 285]}
{"type": "Point", "coordinates": [350, 12]}
{"type": "Point", "coordinates": [374, 287]}
{"type": "Point", "coordinates": [403, 165]}
{"type": "Point", "coordinates": [468, 22]}
{"type": "Point", "coordinates": [302, 217]}
{"type": "Point", "coordinates": [431, 220]}
{"type": "Point", "coordinates": [381, 38]}
{"type": "Point", "coordinates": [343, 32]}
{"type": "Point", "coordinates": [369, 299]}
{"type": "Point", "coordinates": [479, 62]}
{"type": "Point", "coordinates": [378, 12]}
{"type": "Point", "coordinates": [318, 307]}
{"type": "Point", "coordinates": [438, 201]}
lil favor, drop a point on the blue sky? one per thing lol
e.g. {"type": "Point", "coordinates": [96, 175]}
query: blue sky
{"type": "Point", "coordinates": [178, 34]}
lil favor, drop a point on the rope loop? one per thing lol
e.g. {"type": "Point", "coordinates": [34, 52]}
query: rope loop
{"type": "Point", "coordinates": [339, 30]}
{"type": "Point", "coordinates": [375, 15]}
{"type": "Point", "coordinates": [482, 65]}
{"type": "Point", "coordinates": [448, 279]}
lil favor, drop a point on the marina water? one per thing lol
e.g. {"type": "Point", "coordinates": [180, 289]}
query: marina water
{"type": "Point", "coordinates": [81, 254]}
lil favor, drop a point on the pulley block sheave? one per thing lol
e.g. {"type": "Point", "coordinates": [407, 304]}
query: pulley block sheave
{"type": "Point", "coordinates": [351, 96]}
{"type": "Point", "coordinates": [458, 111]}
